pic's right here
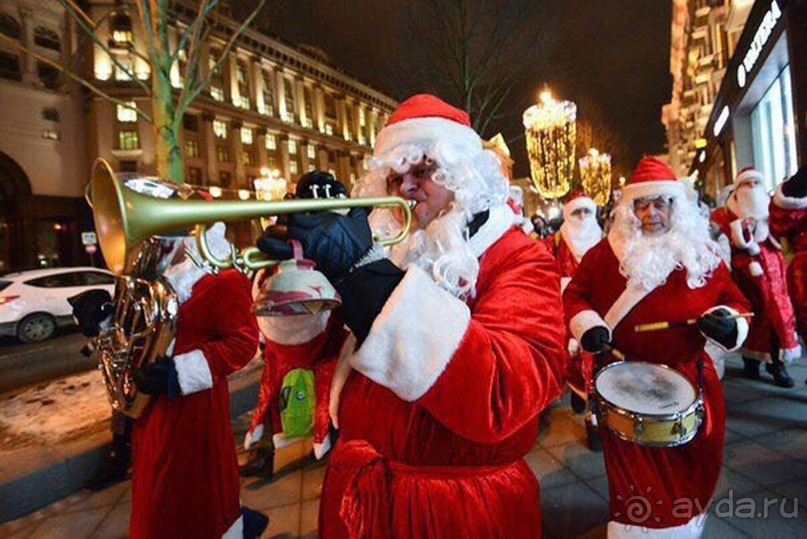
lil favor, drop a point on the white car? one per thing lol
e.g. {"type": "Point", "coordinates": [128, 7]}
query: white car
{"type": "Point", "coordinates": [34, 303]}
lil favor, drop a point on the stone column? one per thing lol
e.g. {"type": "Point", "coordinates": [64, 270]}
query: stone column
{"type": "Point", "coordinates": [260, 140]}
{"type": "Point", "coordinates": [283, 141]}
{"type": "Point", "coordinates": [236, 151]}
{"type": "Point", "coordinates": [304, 160]}
{"type": "Point", "coordinates": [27, 61]}
{"type": "Point", "coordinates": [280, 94]}
{"type": "Point", "coordinates": [319, 109]}
{"type": "Point", "coordinates": [209, 141]}
{"type": "Point", "coordinates": [257, 87]}
{"type": "Point", "coordinates": [299, 93]}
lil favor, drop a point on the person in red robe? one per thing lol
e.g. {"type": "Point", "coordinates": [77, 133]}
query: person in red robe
{"type": "Point", "coordinates": [758, 268]}
{"type": "Point", "coordinates": [456, 341]}
{"type": "Point", "coordinates": [579, 232]}
{"type": "Point", "coordinates": [185, 480]}
{"type": "Point", "coordinates": [659, 263]}
{"type": "Point", "coordinates": [788, 219]}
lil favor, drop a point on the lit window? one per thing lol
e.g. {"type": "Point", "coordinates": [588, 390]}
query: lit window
{"type": "Point", "coordinates": [362, 118]}
{"type": "Point", "coordinates": [128, 140]}
{"type": "Point", "coordinates": [271, 142]}
{"type": "Point", "coordinates": [191, 148]}
{"type": "Point", "coordinates": [311, 151]}
{"type": "Point", "coordinates": [246, 135]}
{"type": "Point", "coordinates": [328, 129]}
{"type": "Point", "coordinates": [123, 74]}
{"type": "Point", "coordinates": [292, 147]}
{"type": "Point", "coordinates": [217, 93]}
{"type": "Point", "coordinates": [293, 168]}
{"type": "Point", "coordinates": [219, 129]}
{"type": "Point", "coordinates": [222, 154]}
{"type": "Point", "coordinates": [247, 158]}
{"type": "Point", "coordinates": [311, 167]}
{"type": "Point", "coordinates": [127, 113]}
{"type": "Point", "coordinates": [352, 177]}
{"type": "Point", "coordinates": [243, 102]}
{"type": "Point", "coordinates": [50, 134]}
{"type": "Point", "coordinates": [121, 25]}
{"type": "Point", "coordinates": [271, 161]}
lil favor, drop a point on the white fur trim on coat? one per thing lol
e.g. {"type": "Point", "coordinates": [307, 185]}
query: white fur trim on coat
{"type": "Point", "coordinates": [297, 329]}
{"type": "Point", "coordinates": [500, 219]}
{"type": "Point", "coordinates": [691, 530]}
{"type": "Point", "coordinates": [418, 130]}
{"type": "Point", "coordinates": [738, 238]}
{"type": "Point", "coordinates": [576, 204]}
{"type": "Point", "coordinates": [789, 355]}
{"type": "Point", "coordinates": [321, 449]}
{"type": "Point", "coordinates": [236, 531]}
{"type": "Point", "coordinates": [671, 187]}
{"type": "Point", "coordinates": [193, 372]}
{"type": "Point", "coordinates": [742, 328]}
{"type": "Point", "coordinates": [626, 301]}
{"type": "Point", "coordinates": [429, 320]}
{"type": "Point", "coordinates": [584, 321]}
{"type": "Point", "coordinates": [786, 202]}
{"type": "Point", "coordinates": [253, 437]}
{"type": "Point", "coordinates": [756, 269]}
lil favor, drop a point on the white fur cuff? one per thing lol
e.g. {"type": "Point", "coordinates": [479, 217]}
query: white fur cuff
{"type": "Point", "coordinates": [253, 437]}
{"type": "Point", "coordinates": [584, 321]}
{"type": "Point", "coordinates": [290, 330]}
{"type": "Point", "coordinates": [414, 337]}
{"type": "Point", "coordinates": [788, 203]}
{"type": "Point", "coordinates": [193, 372]}
{"type": "Point", "coordinates": [691, 530]}
{"type": "Point", "coordinates": [756, 269]}
{"type": "Point", "coordinates": [742, 328]}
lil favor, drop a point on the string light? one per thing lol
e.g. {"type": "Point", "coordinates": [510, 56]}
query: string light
{"type": "Point", "coordinates": [595, 173]}
{"type": "Point", "coordinates": [550, 129]}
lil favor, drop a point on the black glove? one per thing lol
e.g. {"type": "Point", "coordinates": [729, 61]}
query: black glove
{"type": "Point", "coordinates": [90, 308]}
{"type": "Point", "coordinates": [796, 187]}
{"type": "Point", "coordinates": [594, 340]}
{"type": "Point", "coordinates": [335, 242]}
{"type": "Point", "coordinates": [318, 184]}
{"type": "Point", "coordinates": [158, 377]}
{"type": "Point", "coordinates": [718, 327]}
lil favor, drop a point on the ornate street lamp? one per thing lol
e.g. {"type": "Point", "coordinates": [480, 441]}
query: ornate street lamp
{"type": "Point", "coordinates": [550, 129]}
{"type": "Point", "coordinates": [595, 173]}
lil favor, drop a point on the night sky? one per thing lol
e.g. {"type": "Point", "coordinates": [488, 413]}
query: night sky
{"type": "Point", "coordinates": [611, 54]}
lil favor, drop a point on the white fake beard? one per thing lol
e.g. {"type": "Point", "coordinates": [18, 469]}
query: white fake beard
{"type": "Point", "coordinates": [648, 260]}
{"type": "Point", "coordinates": [443, 251]}
{"type": "Point", "coordinates": [581, 234]}
{"type": "Point", "coordinates": [752, 202]}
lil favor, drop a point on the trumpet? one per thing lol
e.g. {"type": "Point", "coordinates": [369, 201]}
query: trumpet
{"type": "Point", "coordinates": [125, 218]}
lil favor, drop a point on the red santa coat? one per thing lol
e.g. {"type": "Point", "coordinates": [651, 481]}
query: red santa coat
{"type": "Point", "coordinates": [185, 472]}
{"type": "Point", "coordinates": [317, 353]}
{"type": "Point", "coordinates": [788, 219]}
{"type": "Point", "coordinates": [598, 295]}
{"type": "Point", "coordinates": [758, 268]}
{"type": "Point", "coordinates": [442, 400]}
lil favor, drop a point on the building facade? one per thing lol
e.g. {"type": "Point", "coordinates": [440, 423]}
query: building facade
{"type": "Point", "coordinates": [759, 117]}
{"type": "Point", "coordinates": [270, 105]}
{"type": "Point", "coordinates": [703, 35]}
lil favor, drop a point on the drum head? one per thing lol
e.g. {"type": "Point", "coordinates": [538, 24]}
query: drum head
{"type": "Point", "coordinates": [645, 388]}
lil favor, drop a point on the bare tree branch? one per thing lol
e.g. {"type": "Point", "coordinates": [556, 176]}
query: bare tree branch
{"type": "Point", "coordinates": [14, 43]}
{"type": "Point", "coordinates": [192, 70]}
{"type": "Point", "coordinates": [68, 7]}
{"type": "Point", "coordinates": [194, 93]}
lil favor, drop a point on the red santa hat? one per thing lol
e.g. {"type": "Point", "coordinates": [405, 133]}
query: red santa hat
{"type": "Point", "coordinates": [748, 174]}
{"type": "Point", "coordinates": [652, 178]}
{"type": "Point", "coordinates": [575, 200]}
{"type": "Point", "coordinates": [424, 119]}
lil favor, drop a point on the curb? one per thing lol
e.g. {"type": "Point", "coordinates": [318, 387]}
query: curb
{"type": "Point", "coordinates": [72, 467]}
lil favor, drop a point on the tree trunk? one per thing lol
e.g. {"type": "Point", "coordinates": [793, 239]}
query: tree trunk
{"type": "Point", "coordinates": [167, 150]}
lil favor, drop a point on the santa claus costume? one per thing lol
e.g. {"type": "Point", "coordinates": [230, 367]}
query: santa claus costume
{"type": "Point", "coordinates": [456, 348]}
{"type": "Point", "coordinates": [634, 278]}
{"type": "Point", "coordinates": [315, 348]}
{"type": "Point", "coordinates": [185, 473]}
{"type": "Point", "coordinates": [758, 268]}
{"type": "Point", "coordinates": [788, 219]}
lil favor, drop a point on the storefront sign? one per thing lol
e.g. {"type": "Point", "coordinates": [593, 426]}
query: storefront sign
{"type": "Point", "coordinates": [720, 123]}
{"type": "Point", "coordinates": [761, 37]}
{"type": "Point", "coordinates": [88, 238]}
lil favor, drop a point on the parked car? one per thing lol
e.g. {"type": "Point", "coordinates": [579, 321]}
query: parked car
{"type": "Point", "coordinates": [34, 303]}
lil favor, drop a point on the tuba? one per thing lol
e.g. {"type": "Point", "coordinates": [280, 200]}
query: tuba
{"type": "Point", "coordinates": [133, 216]}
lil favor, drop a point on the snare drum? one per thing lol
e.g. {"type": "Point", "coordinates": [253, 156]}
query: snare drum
{"type": "Point", "coordinates": [648, 404]}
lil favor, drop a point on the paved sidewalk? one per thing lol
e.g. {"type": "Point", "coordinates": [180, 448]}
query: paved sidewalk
{"type": "Point", "coordinates": [765, 459]}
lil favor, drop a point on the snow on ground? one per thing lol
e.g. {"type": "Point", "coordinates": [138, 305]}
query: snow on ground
{"type": "Point", "coordinates": [56, 410]}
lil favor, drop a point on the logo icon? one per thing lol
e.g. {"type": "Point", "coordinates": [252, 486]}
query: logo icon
{"type": "Point", "coordinates": [638, 508]}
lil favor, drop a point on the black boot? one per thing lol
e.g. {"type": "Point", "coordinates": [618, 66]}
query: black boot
{"type": "Point", "coordinates": [593, 436]}
{"type": "Point", "coordinates": [780, 375]}
{"type": "Point", "coordinates": [261, 463]}
{"type": "Point", "coordinates": [255, 523]}
{"type": "Point", "coordinates": [578, 403]}
{"type": "Point", "coordinates": [751, 369]}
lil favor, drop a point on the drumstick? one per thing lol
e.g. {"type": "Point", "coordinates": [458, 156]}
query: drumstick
{"type": "Point", "coordinates": [655, 326]}
{"type": "Point", "coordinates": [616, 353]}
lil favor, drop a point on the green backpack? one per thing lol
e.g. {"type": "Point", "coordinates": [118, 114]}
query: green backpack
{"type": "Point", "coordinates": [297, 401]}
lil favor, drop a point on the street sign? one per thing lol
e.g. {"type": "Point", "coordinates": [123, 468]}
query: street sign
{"type": "Point", "coordinates": [91, 249]}
{"type": "Point", "coordinates": [89, 238]}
